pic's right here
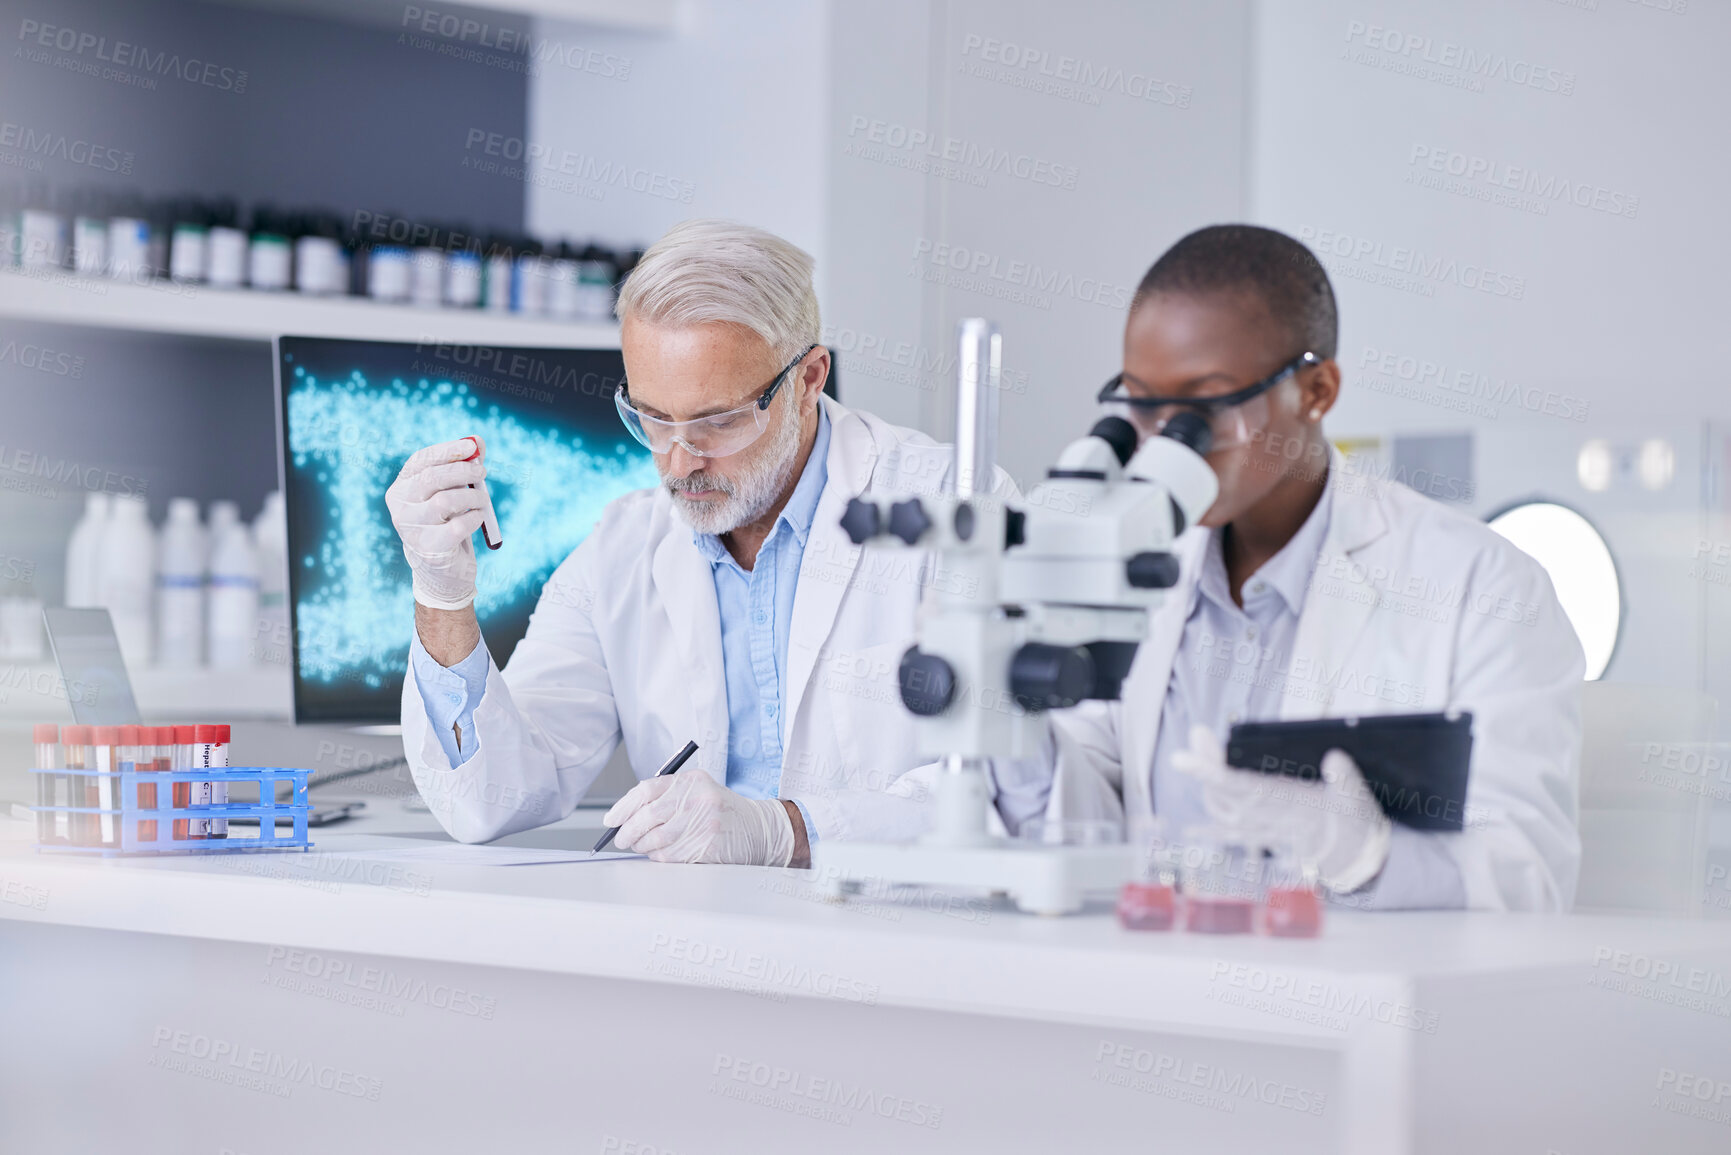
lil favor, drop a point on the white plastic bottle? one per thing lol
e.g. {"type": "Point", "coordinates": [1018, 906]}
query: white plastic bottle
{"type": "Point", "coordinates": [270, 540]}
{"type": "Point", "coordinates": [180, 556]}
{"type": "Point", "coordinates": [126, 576]}
{"type": "Point", "coordinates": [232, 604]}
{"type": "Point", "coordinates": [84, 553]}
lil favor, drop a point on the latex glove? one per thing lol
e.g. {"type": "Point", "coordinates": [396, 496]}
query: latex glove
{"type": "Point", "coordinates": [436, 515]}
{"type": "Point", "coordinates": [1335, 823]}
{"type": "Point", "coordinates": [690, 817]}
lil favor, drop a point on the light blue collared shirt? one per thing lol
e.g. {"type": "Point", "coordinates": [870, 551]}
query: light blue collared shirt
{"type": "Point", "coordinates": [1232, 667]}
{"type": "Point", "coordinates": [756, 618]}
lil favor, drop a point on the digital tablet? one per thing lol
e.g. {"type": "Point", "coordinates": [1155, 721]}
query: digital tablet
{"type": "Point", "coordinates": [1415, 764]}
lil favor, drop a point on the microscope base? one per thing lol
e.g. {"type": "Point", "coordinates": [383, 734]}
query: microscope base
{"type": "Point", "coordinates": [1040, 879]}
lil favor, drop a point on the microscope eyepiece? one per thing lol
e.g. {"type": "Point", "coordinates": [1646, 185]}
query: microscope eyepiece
{"type": "Point", "coordinates": [1119, 434]}
{"type": "Point", "coordinates": [1191, 431]}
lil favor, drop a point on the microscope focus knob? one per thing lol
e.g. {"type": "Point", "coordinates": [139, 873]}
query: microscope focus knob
{"type": "Point", "coordinates": [862, 521]}
{"type": "Point", "coordinates": [1152, 571]}
{"type": "Point", "coordinates": [1048, 677]}
{"type": "Point", "coordinates": [908, 520]}
{"type": "Point", "coordinates": [928, 683]}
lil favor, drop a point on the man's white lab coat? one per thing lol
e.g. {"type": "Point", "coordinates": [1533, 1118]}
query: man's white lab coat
{"type": "Point", "coordinates": [625, 643]}
{"type": "Point", "coordinates": [1413, 608]}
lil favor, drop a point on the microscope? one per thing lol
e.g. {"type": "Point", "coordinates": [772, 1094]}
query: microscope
{"type": "Point", "coordinates": [1058, 600]}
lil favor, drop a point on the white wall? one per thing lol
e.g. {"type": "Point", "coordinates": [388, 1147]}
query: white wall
{"type": "Point", "coordinates": [1617, 317]}
{"type": "Point", "coordinates": [1100, 179]}
{"type": "Point", "coordinates": [724, 117]}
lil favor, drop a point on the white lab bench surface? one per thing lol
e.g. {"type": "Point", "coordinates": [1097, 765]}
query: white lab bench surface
{"type": "Point", "coordinates": [280, 1002]}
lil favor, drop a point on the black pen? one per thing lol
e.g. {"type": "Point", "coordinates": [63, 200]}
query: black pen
{"type": "Point", "coordinates": [673, 764]}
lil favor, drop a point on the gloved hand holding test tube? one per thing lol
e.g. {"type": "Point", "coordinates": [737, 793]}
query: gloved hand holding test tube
{"type": "Point", "coordinates": [490, 531]}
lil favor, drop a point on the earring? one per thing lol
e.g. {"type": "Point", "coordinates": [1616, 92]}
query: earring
{"type": "Point", "coordinates": [1316, 415]}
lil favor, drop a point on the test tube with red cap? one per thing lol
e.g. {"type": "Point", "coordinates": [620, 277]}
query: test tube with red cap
{"type": "Point", "coordinates": [181, 760]}
{"type": "Point", "coordinates": [75, 749]}
{"type": "Point", "coordinates": [490, 532]}
{"type": "Point", "coordinates": [106, 744]}
{"type": "Point", "coordinates": [210, 752]}
{"type": "Point", "coordinates": [50, 788]}
{"type": "Point", "coordinates": [135, 753]}
{"type": "Point", "coordinates": [161, 739]}
{"type": "Point", "coordinates": [219, 790]}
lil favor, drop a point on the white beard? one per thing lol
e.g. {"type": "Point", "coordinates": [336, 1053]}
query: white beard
{"type": "Point", "coordinates": [752, 493]}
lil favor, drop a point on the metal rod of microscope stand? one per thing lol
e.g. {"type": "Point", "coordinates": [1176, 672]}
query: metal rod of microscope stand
{"type": "Point", "coordinates": [977, 375]}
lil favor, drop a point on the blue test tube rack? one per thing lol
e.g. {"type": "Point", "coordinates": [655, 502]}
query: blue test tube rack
{"type": "Point", "coordinates": [130, 813]}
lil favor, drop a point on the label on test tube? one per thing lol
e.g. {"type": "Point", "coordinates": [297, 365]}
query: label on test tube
{"type": "Point", "coordinates": [203, 793]}
{"type": "Point", "coordinates": [107, 743]}
{"type": "Point", "coordinates": [219, 790]}
{"type": "Point", "coordinates": [50, 827]}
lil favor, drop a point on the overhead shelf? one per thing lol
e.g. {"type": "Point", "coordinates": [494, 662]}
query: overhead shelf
{"type": "Point", "coordinates": [250, 315]}
{"type": "Point", "coordinates": [628, 15]}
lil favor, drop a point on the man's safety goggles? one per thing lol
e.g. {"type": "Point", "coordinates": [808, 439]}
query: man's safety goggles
{"type": "Point", "coordinates": [1233, 415]}
{"type": "Point", "coordinates": [718, 435]}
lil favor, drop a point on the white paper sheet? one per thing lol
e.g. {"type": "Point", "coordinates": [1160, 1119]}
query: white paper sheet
{"type": "Point", "coordinates": [462, 854]}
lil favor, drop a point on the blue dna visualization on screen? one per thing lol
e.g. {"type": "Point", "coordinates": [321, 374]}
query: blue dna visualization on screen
{"type": "Point", "coordinates": [353, 412]}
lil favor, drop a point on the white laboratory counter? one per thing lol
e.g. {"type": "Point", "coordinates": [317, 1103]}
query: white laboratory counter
{"type": "Point", "coordinates": [328, 1001]}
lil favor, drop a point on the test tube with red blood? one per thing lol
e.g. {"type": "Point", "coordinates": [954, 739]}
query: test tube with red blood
{"type": "Point", "coordinates": [489, 520]}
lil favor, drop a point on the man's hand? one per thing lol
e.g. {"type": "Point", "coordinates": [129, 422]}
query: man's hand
{"type": "Point", "coordinates": [436, 515]}
{"type": "Point", "coordinates": [690, 817]}
{"type": "Point", "coordinates": [1335, 823]}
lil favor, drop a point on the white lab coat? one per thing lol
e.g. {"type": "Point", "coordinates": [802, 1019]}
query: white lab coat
{"type": "Point", "coordinates": [625, 643]}
{"type": "Point", "coordinates": [1413, 608]}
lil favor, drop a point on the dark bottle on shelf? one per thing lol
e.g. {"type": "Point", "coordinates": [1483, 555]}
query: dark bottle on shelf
{"type": "Point", "coordinates": [270, 250]}
{"type": "Point", "coordinates": [529, 278]}
{"type": "Point", "coordinates": [129, 240]}
{"type": "Point", "coordinates": [11, 202]}
{"type": "Point", "coordinates": [597, 272]}
{"type": "Point", "coordinates": [381, 261]}
{"type": "Point", "coordinates": [226, 246]}
{"type": "Point", "coordinates": [90, 213]}
{"type": "Point", "coordinates": [188, 241]}
{"type": "Point", "coordinates": [321, 265]}
{"type": "Point", "coordinates": [463, 267]}
{"type": "Point", "coordinates": [496, 275]}
{"type": "Point", "coordinates": [562, 299]}
{"type": "Point", "coordinates": [42, 228]}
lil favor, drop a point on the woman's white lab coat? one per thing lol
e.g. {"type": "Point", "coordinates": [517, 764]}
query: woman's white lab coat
{"type": "Point", "coordinates": [625, 643]}
{"type": "Point", "coordinates": [1414, 607]}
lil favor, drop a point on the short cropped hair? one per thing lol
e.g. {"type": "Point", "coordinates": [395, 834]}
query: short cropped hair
{"type": "Point", "coordinates": [704, 272]}
{"type": "Point", "coordinates": [1280, 271]}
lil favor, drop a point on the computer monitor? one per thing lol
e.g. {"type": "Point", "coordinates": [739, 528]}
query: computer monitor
{"type": "Point", "coordinates": [351, 413]}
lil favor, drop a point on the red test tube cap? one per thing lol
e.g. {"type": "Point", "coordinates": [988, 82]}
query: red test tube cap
{"type": "Point", "coordinates": [183, 735]}
{"type": "Point", "coordinates": [476, 442]}
{"type": "Point", "coordinates": [76, 735]}
{"type": "Point", "coordinates": [161, 735]}
{"type": "Point", "coordinates": [107, 736]}
{"type": "Point", "coordinates": [131, 735]}
{"type": "Point", "coordinates": [44, 732]}
{"type": "Point", "coordinates": [203, 734]}
{"type": "Point", "coordinates": [222, 735]}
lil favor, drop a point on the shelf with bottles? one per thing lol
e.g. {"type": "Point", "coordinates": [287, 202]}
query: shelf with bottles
{"type": "Point", "coordinates": [197, 268]}
{"type": "Point", "coordinates": [199, 609]}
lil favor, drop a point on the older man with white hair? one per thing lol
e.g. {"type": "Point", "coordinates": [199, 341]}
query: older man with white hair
{"type": "Point", "coordinates": [726, 606]}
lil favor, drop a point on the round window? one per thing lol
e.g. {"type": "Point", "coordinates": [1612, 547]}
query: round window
{"type": "Point", "coordinates": [1579, 562]}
